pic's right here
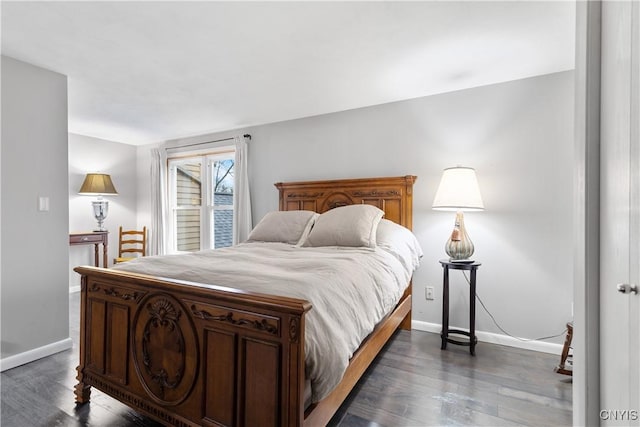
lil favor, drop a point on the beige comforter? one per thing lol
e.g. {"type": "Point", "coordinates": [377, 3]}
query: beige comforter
{"type": "Point", "coordinates": [351, 290]}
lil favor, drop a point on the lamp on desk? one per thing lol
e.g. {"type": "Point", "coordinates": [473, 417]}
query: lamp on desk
{"type": "Point", "coordinates": [458, 191]}
{"type": "Point", "coordinates": [98, 184]}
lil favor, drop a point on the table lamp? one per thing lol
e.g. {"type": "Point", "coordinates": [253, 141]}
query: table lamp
{"type": "Point", "coordinates": [458, 191]}
{"type": "Point", "coordinates": [98, 184]}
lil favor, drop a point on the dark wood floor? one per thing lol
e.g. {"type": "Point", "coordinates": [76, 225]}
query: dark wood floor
{"type": "Point", "coordinates": [411, 383]}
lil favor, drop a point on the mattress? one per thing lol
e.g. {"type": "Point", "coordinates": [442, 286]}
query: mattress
{"type": "Point", "coordinates": [350, 289]}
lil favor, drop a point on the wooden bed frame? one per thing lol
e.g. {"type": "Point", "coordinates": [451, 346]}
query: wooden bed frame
{"type": "Point", "coordinates": [191, 354]}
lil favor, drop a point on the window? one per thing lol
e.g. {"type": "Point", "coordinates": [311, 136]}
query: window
{"type": "Point", "coordinates": [201, 201]}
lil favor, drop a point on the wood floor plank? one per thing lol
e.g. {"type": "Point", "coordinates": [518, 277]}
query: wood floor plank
{"type": "Point", "coordinates": [532, 414]}
{"type": "Point", "coordinates": [536, 398]}
{"type": "Point", "coordinates": [355, 421]}
{"type": "Point", "coordinates": [411, 383]}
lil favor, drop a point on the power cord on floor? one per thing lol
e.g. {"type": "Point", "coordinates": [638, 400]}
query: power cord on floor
{"type": "Point", "coordinates": [501, 328]}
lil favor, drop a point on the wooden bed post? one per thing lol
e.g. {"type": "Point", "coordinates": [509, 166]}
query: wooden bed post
{"type": "Point", "coordinates": [408, 209]}
{"type": "Point", "coordinates": [82, 390]}
{"type": "Point", "coordinates": [406, 322]}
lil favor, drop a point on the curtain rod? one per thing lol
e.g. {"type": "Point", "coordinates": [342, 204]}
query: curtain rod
{"type": "Point", "coordinates": [246, 135]}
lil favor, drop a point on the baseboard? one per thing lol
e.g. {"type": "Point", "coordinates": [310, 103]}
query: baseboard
{"type": "Point", "coordinates": [35, 354]}
{"type": "Point", "coordinates": [73, 289]}
{"type": "Point", "coordinates": [489, 337]}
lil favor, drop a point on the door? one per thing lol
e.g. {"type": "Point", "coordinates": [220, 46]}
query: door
{"type": "Point", "coordinates": [620, 213]}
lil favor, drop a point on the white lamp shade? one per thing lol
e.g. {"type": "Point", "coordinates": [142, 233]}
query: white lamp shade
{"type": "Point", "coordinates": [458, 191]}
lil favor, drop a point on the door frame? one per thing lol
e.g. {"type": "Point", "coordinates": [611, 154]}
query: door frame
{"type": "Point", "coordinates": [586, 287]}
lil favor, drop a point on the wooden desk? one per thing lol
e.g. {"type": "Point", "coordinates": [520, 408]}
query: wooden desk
{"type": "Point", "coordinates": [93, 238]}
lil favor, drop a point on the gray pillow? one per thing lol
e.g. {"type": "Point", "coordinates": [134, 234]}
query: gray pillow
{"type": "Point", "coordinates": [400, 242]}
{"type": "Point", "coordinates": [283, 226]}
{"type": "Point", "coordinates": [353, 225]}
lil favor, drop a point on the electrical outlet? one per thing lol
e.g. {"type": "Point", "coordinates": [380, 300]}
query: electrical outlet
{"type": "Point", "coordinates": [428, 293]}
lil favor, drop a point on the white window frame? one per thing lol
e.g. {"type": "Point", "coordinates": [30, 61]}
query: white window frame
{"type": "Point", "coordinates": [207, 206]}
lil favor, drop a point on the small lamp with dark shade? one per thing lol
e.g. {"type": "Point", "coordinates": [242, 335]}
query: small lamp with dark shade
{"type": "Point", "coordinates": [98, 184]}
{"type": "Point", "coordinates": [458, 191]}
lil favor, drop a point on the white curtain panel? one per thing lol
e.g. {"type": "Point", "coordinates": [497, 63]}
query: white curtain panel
{"type": "Point", "coordinates": [159, 237]}
{"type": "Point", "coordinates": [241, 197]}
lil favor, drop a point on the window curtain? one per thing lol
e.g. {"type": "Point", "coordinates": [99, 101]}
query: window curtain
{"type": "Point", "coordinates": [159, 239]}
{"type": "Point", "coordinates": [241, 198]}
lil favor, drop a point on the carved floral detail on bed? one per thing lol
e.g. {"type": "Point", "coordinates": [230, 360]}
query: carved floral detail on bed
{"type": "Point", "coordinates": [294, 329]}
{"type": "Point", "coordinates": [337, 200]}
{"type": "Point", "coordinates": [304, 195]}
{"type": "Point", "coordinates": [117, 293]}
{"type": "Point", "coordinates": [163, 325]}
{"type": "Point", "coordinates": [376, 193]}
{"type": "Point", "coordinates": [270, 326]}
{"type": "Point", "coordinates": [163, 341]}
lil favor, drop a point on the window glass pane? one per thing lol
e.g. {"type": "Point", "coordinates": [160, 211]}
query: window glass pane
{"type": "Point", "coordinates": [223, 226]}
{"type": "Point", "coordinates": [188, 229]}
{"type": "Point", "coordinates": [223, 178]}
{"type": "Point", "coordinates": [187, 201]}
{"type": "Point", "coordinates": [188, 184]}
{"type": "Point", "coordinates": [223, 171]}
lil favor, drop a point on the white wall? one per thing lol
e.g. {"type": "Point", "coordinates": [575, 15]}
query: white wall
{"type": "Point", "coordinates": [86, 155]}
{"type": "Point", "coordinates": [519, 137]}
{"type": "Point", "coordinates": [35, 298]}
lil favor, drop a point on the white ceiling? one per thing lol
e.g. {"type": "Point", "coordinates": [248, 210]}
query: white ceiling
{"type": "Point", "coordinates": [143, 72]}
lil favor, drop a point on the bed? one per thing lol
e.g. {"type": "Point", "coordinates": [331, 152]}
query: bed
{"type": "Point", "coordinates": [224, 356]}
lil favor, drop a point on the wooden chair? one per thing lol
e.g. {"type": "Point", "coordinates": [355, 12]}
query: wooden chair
{"type": "Point", "coordinates": [131, 242]}
{"type": "Point", "coordinates": [565, 367]}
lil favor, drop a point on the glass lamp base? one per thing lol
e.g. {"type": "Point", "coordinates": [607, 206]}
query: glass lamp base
{"type": "Point", "coordinates": [100, 211]}
{"type": "Point", "coordinates": [459, 247]}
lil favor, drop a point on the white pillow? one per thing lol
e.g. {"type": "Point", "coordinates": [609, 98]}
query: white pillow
{"type": "Point", "coordinates": [400, 242]}
{"type": "Point", "coordinates": [283, 226]}
{"type": "Point", "coordinates": [353, 225]}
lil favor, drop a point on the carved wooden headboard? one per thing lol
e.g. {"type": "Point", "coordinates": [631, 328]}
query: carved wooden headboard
{"type": "Point", "coordinates": [393, 195]}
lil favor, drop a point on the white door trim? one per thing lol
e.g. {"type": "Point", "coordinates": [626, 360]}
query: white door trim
{"type": "Point", "coordinates": [586, 369]}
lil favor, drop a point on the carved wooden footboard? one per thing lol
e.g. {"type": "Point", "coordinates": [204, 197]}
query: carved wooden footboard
{"type": "Point", "coordinates": [188, 354]}
{"type": "Point", "coordinates": [191, 354]}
